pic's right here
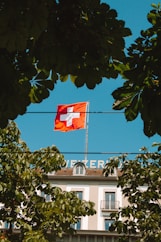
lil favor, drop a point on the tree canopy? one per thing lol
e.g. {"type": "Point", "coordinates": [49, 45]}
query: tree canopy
{"type": "Point", "coordinates": [24, 187]}
{"type": "Point", "coordinates": [140, 181]}
{"type": "Point", "coordinates": [141, 92]}
{"type": "Point", "coordinates": [43, 41]}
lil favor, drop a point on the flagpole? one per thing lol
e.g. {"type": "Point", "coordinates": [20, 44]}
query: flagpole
{"type": "Point", "coordinates": [86, 135]}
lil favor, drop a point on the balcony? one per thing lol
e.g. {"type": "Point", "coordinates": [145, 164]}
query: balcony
{"type": "Point", "coordinates": [109, 206]}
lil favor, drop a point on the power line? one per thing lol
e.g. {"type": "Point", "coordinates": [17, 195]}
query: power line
{"type": "Point", "coordinates": [91, 112]}
{"type": "Point", "coordinates": [78, 152]}
{"type": "Point", "coordinates": [101, 153]}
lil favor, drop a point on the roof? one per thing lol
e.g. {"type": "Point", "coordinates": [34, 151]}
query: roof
{"type": "Point", "coordinates": [90, 174]}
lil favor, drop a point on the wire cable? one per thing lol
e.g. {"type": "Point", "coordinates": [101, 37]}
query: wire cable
{"type": "Point", "coordinates": [91, 112]}
{"type": "Point", "coordinates": [78, 152]}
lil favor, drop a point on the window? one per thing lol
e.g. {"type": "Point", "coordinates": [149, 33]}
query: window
{"type": "Point", "coordinates": [79, 169]}
{"type": "Point", "coordinates": [79, 194]}
{"type": "Point", "coordinates": [77, 225]}
{"type": "Point", "coordinates": [108, 223]}
{"type": "Point", "coordinates": [7, 225]}
{"type": "Point", "coordinates": [110, 202]}
{"type": "Point", "coordinates": [46, 197]}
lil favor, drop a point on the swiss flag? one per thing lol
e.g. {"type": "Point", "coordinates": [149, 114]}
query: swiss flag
{"type": "Point", "coordinates": [71, 117]}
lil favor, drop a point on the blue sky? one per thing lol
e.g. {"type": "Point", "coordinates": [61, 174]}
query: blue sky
{"type": "Point", "coordinates": [109, 132]}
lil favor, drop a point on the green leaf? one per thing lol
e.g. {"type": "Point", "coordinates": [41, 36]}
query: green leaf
{"type": "Point", "coordinates": [42, 75]}
{"type": "Point", "coordinates": [131, 112]}
{"type": "Point", "coordinates": [152, 18]}
{"type": "Point", "coordinates": [73, 78]}
{"type": "Point", "coordinates": [63, 78]}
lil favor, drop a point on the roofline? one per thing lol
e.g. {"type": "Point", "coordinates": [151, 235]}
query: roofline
{"type": "Point", "coordinates": [82, 178]}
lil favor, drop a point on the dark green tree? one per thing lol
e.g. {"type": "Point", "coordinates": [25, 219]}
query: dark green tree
{"type": "Point", "coordinates": [141, 92]}
{"type": "Point", "coordinates": [140, 181]}
{"type": "Point", "coordinates": [43, 41]}
{"type": "Point", "coordinates": [23, 187]}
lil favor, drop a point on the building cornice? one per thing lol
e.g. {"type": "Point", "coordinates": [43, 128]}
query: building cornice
{"type": "Point", "coordinates": [82, 178]}
{"type": "Point", "coordinates": [104, 233]}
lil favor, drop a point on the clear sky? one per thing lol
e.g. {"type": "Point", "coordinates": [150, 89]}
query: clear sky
{"type": "Point", "coordinates": [106, 132]}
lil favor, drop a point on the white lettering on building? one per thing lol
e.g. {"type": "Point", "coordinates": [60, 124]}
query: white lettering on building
{"type": "Point", "coordinates": [92, 164]}
{"type": "Point", "coordinates": [99, 164]}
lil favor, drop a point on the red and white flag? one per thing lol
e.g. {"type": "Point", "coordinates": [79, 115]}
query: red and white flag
{"type": "Point", "coordinates": [71, 117]}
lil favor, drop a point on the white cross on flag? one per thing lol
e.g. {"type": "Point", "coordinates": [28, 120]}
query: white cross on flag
{"type": "Point", "coordinates": [71, 117]}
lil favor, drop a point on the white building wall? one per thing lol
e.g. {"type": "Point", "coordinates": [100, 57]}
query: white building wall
{"type": "Point", "coordinates": [85, 190]}
{"type": "Point", "coordinates": [100, 216]}
{"type": "Point", "coordinates": [101, 196]}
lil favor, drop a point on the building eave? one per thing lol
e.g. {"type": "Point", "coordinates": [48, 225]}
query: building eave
{"type": "Point", "coordinates": [82, 178]}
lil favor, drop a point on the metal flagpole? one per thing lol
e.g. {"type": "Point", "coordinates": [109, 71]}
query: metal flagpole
{"type": "Point", "coordinates": [86, 136]}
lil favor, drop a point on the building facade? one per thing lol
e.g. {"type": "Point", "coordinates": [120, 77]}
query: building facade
{"type": "Point", "coordinates": [91, 185]}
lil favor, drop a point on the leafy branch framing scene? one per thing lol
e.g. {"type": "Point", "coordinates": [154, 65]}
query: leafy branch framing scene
{"type": "Point", "coordinates": [37, 51]}
{"type": "Point", "coordinates": [140, 182]}
{"type": "Point", "coordinates": [40, 51]}
{"type": "Point", "coordinates": [24, 185]}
